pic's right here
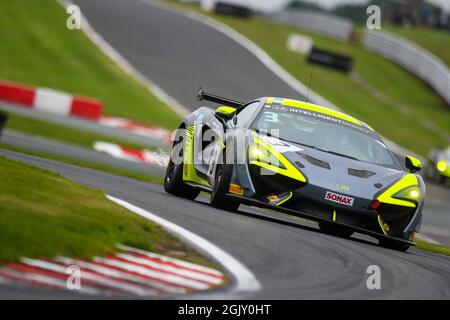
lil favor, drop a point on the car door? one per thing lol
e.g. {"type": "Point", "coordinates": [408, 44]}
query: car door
{"type": "Point", "coordinates": [214, 153]}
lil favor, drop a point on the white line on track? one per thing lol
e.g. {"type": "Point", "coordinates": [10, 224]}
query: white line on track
{"type": "Point", "coordinates": [245, 280]}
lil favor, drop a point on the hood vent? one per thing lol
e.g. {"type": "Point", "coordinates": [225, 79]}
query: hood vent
{"type": "Point", "coordinates": [360, 173]}
{"type": "Point", "coordinates": [316, 162]}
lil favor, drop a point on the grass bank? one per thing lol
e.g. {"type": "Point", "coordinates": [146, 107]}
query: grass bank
{"type": "Point", "coordinates": [43, 214]}
{"type": "Point", "coordinates": [436, 248]}
{"type": "Point", "coordinates": [38, 49]}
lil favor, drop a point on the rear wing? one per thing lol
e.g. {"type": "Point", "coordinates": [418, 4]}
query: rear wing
{"type": "Point", "coordinates": [202, 95]}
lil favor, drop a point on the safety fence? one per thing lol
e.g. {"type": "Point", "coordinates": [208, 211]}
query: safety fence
{"type": "Point", "coordinates": [416, 60]}
{"type": "Point", "coordinates": [325, 24]}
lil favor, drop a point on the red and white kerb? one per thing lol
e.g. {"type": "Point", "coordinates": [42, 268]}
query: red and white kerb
{"type": "Point", "coordinates": [132, 272]}
{"type": "Point", "coordinates": [51, 101]}
{"type": "Point", "coordinates": [131, 154]}
{"type": "Point", "coordinates": [136, 128]}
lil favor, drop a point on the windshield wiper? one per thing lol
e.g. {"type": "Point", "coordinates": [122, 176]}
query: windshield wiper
{"type": "Point", "coordinates": [327, 151]}
{"type": "Point", "coordinates": [305, 145]}
{"type": "Point", "coordinates": [282, 139]}
{"type": "Point", "coordinates": [309, 145]}
{"type": "Point", "coordinates": [339, 154]}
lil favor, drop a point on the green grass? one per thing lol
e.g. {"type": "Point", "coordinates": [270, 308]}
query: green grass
{"type": "Point", "coordinates": [70, 135]}
{"type": "Point", "coordinates": [435, 41]}
{"type": "Point", "coordinates": [432, 247]}
{"type": "Point", "coordinates": [90, 165]}
{"type": "Point", "coordinates": [393, 81]}
{"type": "Point", "coordinates": [38, 49]}
{"type": "Point", "coordinates": [38, 218]}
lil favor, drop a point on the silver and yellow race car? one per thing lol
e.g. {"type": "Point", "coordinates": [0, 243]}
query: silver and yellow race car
{"type": "Point", "coordinates": [301, 159]}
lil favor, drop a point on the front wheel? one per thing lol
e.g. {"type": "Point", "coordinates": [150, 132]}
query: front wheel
{"type": "Point", "coordinates": [219, 199]}
{"type": "Point", "coordinates": [173, 181]}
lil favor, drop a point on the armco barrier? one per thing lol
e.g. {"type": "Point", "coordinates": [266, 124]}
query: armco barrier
{"type": "Point", "coordinates": [326, 24]}
{"type": "Point", "coordinates": [51, 101]}
{"type": "Point", "coordinates": [416, 60]}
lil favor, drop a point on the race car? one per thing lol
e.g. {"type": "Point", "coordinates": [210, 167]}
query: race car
{"type": "Point", "coordinates": [438, 168]}
{"type": "Point", "coordinates": [299, 158]}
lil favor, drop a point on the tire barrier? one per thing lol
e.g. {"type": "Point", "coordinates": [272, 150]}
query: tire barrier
{"type": "Point", "coordinates": [330, 59]}
{"type": "Point", "coordinates": [413, 58]}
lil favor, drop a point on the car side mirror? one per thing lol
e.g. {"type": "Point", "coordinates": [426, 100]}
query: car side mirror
{"type": "Point", "coordinates": [225, 112]}
{"type": "Point", "coordinates": [413, 164]}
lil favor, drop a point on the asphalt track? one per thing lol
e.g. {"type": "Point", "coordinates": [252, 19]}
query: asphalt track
{"type": "Point", "coordinates": [179, 54]}
{"type": "Point", "coordinates": [38, 144]}
{"type": "Point", "coordinates": [81, 124]}
{"type": "Point", "coordinates": [290, 258]}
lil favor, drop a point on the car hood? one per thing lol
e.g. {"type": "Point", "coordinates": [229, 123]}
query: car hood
{"type": "Point", "coordinates": [339, 174]}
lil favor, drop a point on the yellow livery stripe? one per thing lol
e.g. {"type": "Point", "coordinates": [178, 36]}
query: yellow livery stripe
{"type": "Point", "coordinates": [319, 109]}
{"type": "Point", "coordinates": [289, 169]}
{"type": "Point", "coordinates": [407, 181]}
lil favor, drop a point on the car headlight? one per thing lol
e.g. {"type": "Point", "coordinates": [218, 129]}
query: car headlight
{"type": "Point", "coordinates": [405, 192]}
{"type": "Point", "coordinates": [410, 194]}
{"type": "Point", "coordinates": [441, 166]}
{"type": "Point", "coordinates": [260, 154]}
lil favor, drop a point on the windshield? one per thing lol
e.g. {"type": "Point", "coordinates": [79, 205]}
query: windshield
{"type": "Point", "coordinates": [324, 132]}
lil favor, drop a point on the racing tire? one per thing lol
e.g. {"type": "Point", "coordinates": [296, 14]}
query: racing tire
{"type": "Point", "coordinates": [335, 230]}
{"type": "Point", "coordinates": [173, 180]}
{"type": "Point", "coordinates": [218, 198]}
{"type": "Point", "coordinates": [393, 245]}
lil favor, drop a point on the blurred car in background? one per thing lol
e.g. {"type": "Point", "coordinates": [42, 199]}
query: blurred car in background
{"type": "Point", "coordinates": [439, 165]}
